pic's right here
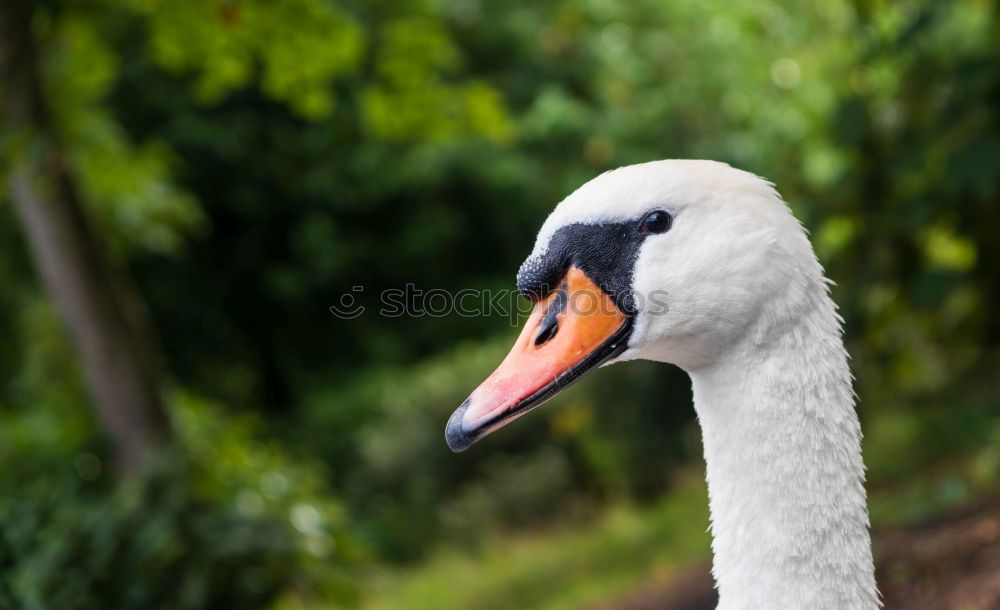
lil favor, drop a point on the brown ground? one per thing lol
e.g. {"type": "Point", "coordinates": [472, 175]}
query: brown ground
{"type": "Point", "coordinates": [951, 563]}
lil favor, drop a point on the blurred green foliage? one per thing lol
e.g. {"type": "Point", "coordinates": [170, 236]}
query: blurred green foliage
{"type": "Point", "coordinates": [251, 161]}
{"type": "Point", "coordinates": [626, 548]}
{"type": "Point", "coordinates": [223, 520]}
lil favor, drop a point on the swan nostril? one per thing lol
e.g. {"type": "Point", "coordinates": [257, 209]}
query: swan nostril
{"type": "Point", "coordinates": [547, 330]}
{"type": "Point", "coordinates": [549, 325]}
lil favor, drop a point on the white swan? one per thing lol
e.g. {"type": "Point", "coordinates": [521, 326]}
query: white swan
{"type": "Point", "coordinates": [701, 265]}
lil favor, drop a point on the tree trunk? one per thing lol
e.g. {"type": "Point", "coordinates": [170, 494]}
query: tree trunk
{"type": "Point", "coordinates": [114, 347]}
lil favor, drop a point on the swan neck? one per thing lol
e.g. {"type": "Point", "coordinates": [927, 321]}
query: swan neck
{"type": "Point", "coordinates": [784, 470]}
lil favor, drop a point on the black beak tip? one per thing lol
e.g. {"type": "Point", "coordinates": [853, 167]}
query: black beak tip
{"type": "Point", "coordinates": [457, 438]}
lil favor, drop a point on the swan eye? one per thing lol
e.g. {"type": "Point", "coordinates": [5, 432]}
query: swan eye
{"type": "Point", "coordinates": [656, 221]}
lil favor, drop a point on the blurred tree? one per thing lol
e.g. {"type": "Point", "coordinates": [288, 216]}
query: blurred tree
{"type": "Point", "coordinates": [99, 307]}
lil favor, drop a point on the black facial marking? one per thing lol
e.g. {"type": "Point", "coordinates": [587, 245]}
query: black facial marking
{"type": "Point", "coordinates": [606, 252]}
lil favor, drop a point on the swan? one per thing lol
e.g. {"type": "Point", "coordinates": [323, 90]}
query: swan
{"type": "Point", "coordinates": [701, 265]}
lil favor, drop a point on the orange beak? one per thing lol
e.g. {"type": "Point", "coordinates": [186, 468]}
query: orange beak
{"type": "Point", "coordinates": [571, 331]}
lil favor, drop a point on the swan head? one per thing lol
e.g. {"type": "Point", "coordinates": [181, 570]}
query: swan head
{"type": "Point", "coordinates": [675, 261]}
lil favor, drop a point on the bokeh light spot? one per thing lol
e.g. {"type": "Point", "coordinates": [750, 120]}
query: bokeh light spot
{"type": "Point", "coordinates": [785, 73]}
